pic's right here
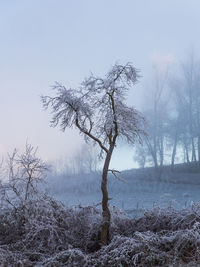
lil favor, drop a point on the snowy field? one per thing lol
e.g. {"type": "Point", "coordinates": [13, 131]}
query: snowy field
{"type": "Point", "coordinates": [134, 196]}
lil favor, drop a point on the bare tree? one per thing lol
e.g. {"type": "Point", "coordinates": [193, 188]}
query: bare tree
{"type": "Point", "coordinates": [23, 171]}
{"type": "Point", "coordinates": [186, 103]}
{"type": "Point", "coordinates": [156, 106]}
{"type": "Point", "coordinates": [99, 111]}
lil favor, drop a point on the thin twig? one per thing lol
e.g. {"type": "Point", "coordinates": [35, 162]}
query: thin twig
{"type": "Point", "coordinates": [114, 173]}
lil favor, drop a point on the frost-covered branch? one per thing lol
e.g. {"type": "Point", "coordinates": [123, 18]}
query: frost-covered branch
{"type": "Point", "coordinates": [22, 174]}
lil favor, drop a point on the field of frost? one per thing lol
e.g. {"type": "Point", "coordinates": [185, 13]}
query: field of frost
{"type": "Point", "coordinates": [135, 192]}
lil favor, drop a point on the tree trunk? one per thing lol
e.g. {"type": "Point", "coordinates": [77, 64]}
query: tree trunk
{"type": "Point", "coordinates": [105, 209]}
{"type": "Point", "coordinates": [199, 149]}
{"type": "Point", "coordinates": [187, 154]}
{"type": "Point", "coordinates": [193, 151]}
{"type": "Point", "coordinates": [161, 151]}
{"type": "Point", "coordinates": [174, 152]}
{"type": "Point", "coordinates": [153, 153]}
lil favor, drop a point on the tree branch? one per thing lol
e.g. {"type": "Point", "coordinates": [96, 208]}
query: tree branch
{"type": "Point", "coordinates": [114, 173]}
{"type": "Point", "coordinates": [115, 117]}
{"type": "Point", "coordinates": [91, 136]}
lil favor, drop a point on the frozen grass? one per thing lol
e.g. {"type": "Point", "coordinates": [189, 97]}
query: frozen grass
{"type": "Point", "coordinates": [47, 233]}
{"type": "Point", "coordinates": [141, 191]}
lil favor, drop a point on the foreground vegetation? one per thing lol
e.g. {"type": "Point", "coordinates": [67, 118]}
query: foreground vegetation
{"type": "Point", "coordinates": [37, 230]}
{"type": "Point", "coordinates": [47, 233]}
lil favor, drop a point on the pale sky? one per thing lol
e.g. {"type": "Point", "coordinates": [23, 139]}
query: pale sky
{"type": "Point", "coordinates": [43, 41]}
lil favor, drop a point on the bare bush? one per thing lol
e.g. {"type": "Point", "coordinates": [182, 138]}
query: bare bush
{"type": "Point", "coordinates": [22, 174]}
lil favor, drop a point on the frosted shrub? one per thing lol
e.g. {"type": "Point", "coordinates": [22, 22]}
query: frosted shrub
{"type": "Point", "coordinates": [70, 257]}
{"type": "Point", "coordinates": [52, 227]}
{"type": "Point", "coordinates": [55, 235]}
{"type": "Point", "coordinates": [23, 175]}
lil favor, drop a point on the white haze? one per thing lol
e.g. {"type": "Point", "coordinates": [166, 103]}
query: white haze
{"type": "Point", "coordinates": [47, 41]}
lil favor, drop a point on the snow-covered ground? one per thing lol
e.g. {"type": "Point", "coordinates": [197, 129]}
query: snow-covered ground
{"type": "Point", "coordinates": [134, 196]}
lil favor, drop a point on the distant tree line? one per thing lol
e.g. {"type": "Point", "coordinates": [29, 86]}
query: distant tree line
{"type": "Point", "coordinates": [84, 161]}
{"type": "Point", "coordinates": [172, 112]}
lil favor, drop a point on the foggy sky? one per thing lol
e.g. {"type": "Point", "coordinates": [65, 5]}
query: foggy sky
{"type": "Point", "coordinates": [46, 41]}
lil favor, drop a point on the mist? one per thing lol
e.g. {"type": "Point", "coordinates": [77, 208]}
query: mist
{"type": "Point", "coordinates": [100, 133]}
{"type": "Point", "coordinates": [45, 42]}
